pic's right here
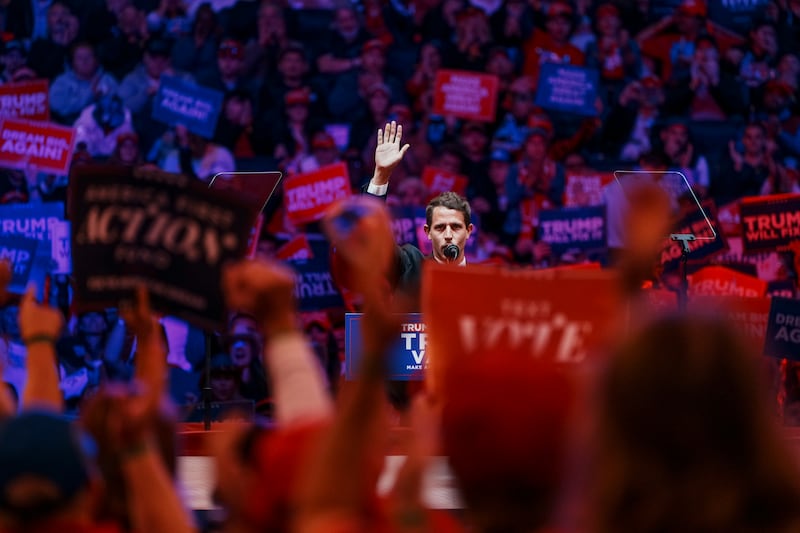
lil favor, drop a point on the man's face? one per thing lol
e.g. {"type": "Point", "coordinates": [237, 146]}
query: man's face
{"type": "Point", "coordinates": [766, 39]}
{"type": "Point", "coordinates": [521, 102]}
{"type": "Point", "coordinates": [688, 23]}
{"type": "Point", "coordinates": [318, 335]}
{"type": "Point", "coordinates": [498, 172]}
{"type": "Point", "coordinates": [675, 138]}
{"type": "Point", "coordinates": [474, 141]}
{"type": "Point", "coordinates": [608, 25]}
{"type": "Point", "coordinates": [223, 386]}
{"type": "Point", "coordinates": [373, 60]}
{"type": "Point", "coordinates": [241, 352]}
{"type": "Point", "coordinates": [229, 65]}
{"type": "Point", "coordinates": [536, 147]}
{"type": "Point", "coordinates": [12, 60]}
{"type": "Point", "coordinates": [292, 65]}
{"type": "Point", "coordinates": [789, 65]}
{"type": "Point", "coordinates": [753, 141]}
{"type": "Point", "coordinates": [450, 163]}
{"type": "Point", "coordinates": [447, 227]}
{"type": "Point", "coordinates": [346, 23]}
{"type": "Point", "coordinates": [558, 28]}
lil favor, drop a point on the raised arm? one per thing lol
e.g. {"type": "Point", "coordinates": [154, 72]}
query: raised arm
{"type": "Point", "coordinates": [339, 481]}
{"type": "Point", "coordinates": [388, 154]}
{"type": "Point", "coordinates": [40, 327]}
{"type": "Point", "coordinates": [6, 402]}
{"type": "Point", "coordinates": [151, 353]}
{"type": "Point", "coordinates": [153, 501]}
{"type": "Point", "coordinates": [266, 290]}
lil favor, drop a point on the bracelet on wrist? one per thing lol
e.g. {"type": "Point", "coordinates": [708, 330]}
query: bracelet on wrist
{"type": "Point", "coordinates": [40, 338]}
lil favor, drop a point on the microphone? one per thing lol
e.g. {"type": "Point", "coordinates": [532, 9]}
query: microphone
{"type": "Point", "coordinates": [451, 251]}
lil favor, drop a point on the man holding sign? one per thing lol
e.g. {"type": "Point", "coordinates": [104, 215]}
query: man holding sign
{"type": "Point", "coordinates": [447, 217]}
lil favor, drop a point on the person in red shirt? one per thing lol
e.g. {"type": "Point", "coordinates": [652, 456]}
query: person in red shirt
{"type": "Point", "coordinates": [552, 45]}
{"type": "Point", "coordinates": [671, 41]}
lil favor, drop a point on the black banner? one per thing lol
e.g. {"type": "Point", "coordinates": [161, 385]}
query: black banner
{"type": "Point", "coordinates": [164, 230]}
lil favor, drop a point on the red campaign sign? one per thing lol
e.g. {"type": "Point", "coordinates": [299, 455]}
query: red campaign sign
{"type": "Point", "coordinates": [308, 196]}
{"type": "Point", "coordinates": [583, 190]}
{"type": "Point", "coordinates": [730, 221]}
{"type": "Point", "coordinates": [438, 181]}
{"type": "Point", "coordinates": [748, 316]}
{"type": "Point", "coordinates": [29, 99]}
{"type": "Point", "coordinates": [296, 249]}
{"type": "Point", "coordinates": [561, 315]}
{"type": "Point", "coordinates": [660, 300]}
{"type": "Point", "coordinates": [466, 95]}
{"type": "Point", "coordinates": [41, 145]}
{"type": "Point", "coordinates": [770, 222]}
{"type": "Point", "coordinates": [721, 281]}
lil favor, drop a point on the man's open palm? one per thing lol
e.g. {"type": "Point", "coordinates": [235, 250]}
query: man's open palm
{"type": "Point", "coordinates": [388, 152]}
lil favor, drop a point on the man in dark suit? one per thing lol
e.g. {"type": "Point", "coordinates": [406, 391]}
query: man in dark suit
{"type": "Point", "coordinates": [447, 216]}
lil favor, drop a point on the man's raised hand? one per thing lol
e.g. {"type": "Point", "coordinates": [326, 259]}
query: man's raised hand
{"type": "Point", "coordinates": [388, 152]}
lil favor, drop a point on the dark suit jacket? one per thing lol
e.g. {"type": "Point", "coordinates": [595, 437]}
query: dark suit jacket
{"type": "Point", "coordinates": [408, 266]}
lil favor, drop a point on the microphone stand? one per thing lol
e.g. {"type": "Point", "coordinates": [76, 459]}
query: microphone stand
{"type": "Point", "coordinates": [683, 290]}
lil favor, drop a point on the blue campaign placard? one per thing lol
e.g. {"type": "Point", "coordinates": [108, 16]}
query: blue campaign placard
{"type": "Point", "coordinates": [783, 329]}
{"type": "Point", "coordinates": [315, 289]}
{"type": "Point", "coordinates": [407, 359]}
{"type": "Point", "coordinates": [34, 221]}
{"type": "Point", "coordinates": [181, 102]}
{"type": "Point", "coordinates": [407, 224]}
{"type": "Point", "coordinates": [736, 15]}
{"type": "Point", "coordinates": [20, 252]}
{"type": "Point", "coordinates": [568, 88]}
{"type": "Point", "coordinates": [573, 228]}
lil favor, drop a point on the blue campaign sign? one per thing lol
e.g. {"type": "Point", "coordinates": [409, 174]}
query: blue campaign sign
{"type": "Point", "coordinates": [736, 15]}
{"type": "Point", "coordinates": [407, 359]}
{"type": "Point", "coordinates": [783, 329]}
{"type": "Point", "coordinates": [315, 289]}
{"type": "Point", "coordinates": [20, 252]}
{"type": "Point", "coordinates": [568, 88]}
{"type": "Point", "coordinates": [181, 102]}
{"type": "Point", "coordinates": [573, 228]}
{"type": "Point", "coordinates": [408, 224]}
{"type": "Point", "coordinates": [34, 221]}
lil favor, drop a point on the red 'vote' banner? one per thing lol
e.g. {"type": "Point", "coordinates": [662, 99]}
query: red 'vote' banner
{"type": "Point", "coordinates": [560, 315]}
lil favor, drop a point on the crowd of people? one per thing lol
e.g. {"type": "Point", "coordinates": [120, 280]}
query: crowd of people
{"type": "Point", "coordinates": [678, 414]}
{"type": "Point", "coordinates": [306, 84]}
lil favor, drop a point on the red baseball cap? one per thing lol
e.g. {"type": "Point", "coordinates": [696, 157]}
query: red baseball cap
{"type": "Point", "coordinates": [607, 10]}
{"type": "Point", "coordinates": [322, 139]}
{"type": "Point", "coordinates": [560, 8]}
{"type": "Point", "coordinates": [297, 97]}
{"type": "Point", "coordinates": [695, 8]}
{"type": "Point", "coordinates": [231, 48]}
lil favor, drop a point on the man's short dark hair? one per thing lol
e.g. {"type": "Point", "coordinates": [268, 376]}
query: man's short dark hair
{"type": "Point", "coordinates": [450, 200]}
